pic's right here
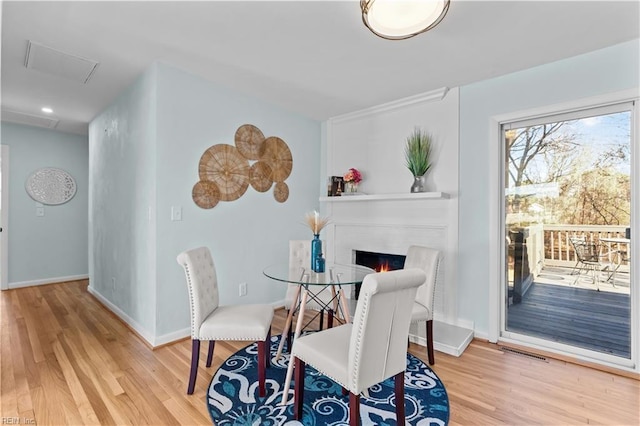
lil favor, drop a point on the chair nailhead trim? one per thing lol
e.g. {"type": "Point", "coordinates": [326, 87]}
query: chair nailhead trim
{"type": "Point", "coordinates": [193, 326]}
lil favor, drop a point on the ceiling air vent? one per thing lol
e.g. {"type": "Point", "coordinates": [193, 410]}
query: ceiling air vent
{"type": "Point", "coordinates": [45, 59]}
{"type": "Point", "coordinates": [28, 119]}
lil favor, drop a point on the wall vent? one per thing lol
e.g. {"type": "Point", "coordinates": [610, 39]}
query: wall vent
{"type": "Point", "coordinates": [523, 353]}
{"type": "Point", "coordinates": [28, 119]}
{"type": "Point", "coordinates": [46, 59]}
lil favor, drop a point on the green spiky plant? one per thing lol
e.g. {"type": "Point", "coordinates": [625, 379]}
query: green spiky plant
{"type": "Point", "coordinates": [417, 152]}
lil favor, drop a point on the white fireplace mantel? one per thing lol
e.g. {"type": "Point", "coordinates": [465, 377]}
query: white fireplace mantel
{"type": "Point", "coordinates": [384, 197]}
{"type": "Point", "coordinates": [386, 221]}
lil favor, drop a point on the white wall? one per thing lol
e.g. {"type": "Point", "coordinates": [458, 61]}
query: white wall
{"type": "Point", "coordinates": [145, 151]}
{"type": "Point", "coordinates": [52, 247]}
{"type": "Point", "coordinates": [600, 72]}
{"type": "Point", "coordinates": [373, 141]}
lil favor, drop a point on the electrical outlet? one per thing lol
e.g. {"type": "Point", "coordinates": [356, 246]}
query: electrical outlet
{"type": "Point", "coordinates": [39, 211]}
{"type": "Point", "coordinates": [243, 289]}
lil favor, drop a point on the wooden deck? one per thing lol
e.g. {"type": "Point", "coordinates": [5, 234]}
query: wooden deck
{"type": "Point", "coordinates": [582, 317]}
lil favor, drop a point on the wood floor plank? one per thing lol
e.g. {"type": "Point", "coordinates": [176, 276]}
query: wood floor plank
{"type": "Point", "coordinates": [8, 389]}
{"type": "Point", "coordinates": [65, 359]}
{"type": "Point", "coordinates": [19, 371]}
{"type": "Point", "coordinates": [31, 307]}
{"type": "Point", "coordinates": [88, 387]}
{"type": "Point", "coordinates": [75, 387]}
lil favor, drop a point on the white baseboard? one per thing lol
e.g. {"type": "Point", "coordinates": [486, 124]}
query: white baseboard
{"type": "Point", "coordinates": [447, 338]}
{"type": "Point", "coordinates": [123, 316]}
{"type": "Point", "coordinates": [171, 337]}
{"type": "Point", "coordinates": [46, 281]}
{"type": "Point", "coordinates": [153, 341]}
{"type": "Point", "coordinates": [278, 304]}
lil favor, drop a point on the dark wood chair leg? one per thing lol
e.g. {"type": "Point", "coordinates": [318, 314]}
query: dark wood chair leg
{"type": "Point", "coordinates": [262, 365]}
{"type": "Point", "coordinates": [289, 337]}
{"type": "Point", "coordinates": [195, 357]}
{"type": "Point", "coordinates": [399, 388]}
{"type": "Point", "coordinates": [354, 409]}
{"type": "Point", "coordinates": [321, 319]}
{"type": "Point", "coordinates": [267, 360]}
{"type": "Point", "coordinates": [298, 389]}
{"type": "Point", "coordinates": [330, 318]}
{"type": "Point", "coordinates": [212, 344]}
{"type": "Point", "coordinates": [430, 342]}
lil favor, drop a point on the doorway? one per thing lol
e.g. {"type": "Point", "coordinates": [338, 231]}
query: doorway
{"type": "Point", "coordinates": [567, 213]}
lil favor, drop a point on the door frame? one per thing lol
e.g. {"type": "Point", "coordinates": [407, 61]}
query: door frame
{"type": "Point", "coordinates": [4, 236]}
{"type": "Point", "coordinates": [497, 228]}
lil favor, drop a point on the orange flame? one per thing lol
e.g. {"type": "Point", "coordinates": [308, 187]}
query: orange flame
{"type": "Point", "coordinates": [383, 268]}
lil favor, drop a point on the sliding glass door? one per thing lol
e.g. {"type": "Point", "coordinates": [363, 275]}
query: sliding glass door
{"type": "Point", "coordinates": [567, 214]}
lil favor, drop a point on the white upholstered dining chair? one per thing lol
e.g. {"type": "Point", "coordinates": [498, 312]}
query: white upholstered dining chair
{"type": "Point", "coordinates": [300, 261]}
{"type": "Point", "coordinates": [369, 351]}
{"type": "Point", "coordinates": [428, 260]}
{"type": "Point", "coordinates": [210, 321]}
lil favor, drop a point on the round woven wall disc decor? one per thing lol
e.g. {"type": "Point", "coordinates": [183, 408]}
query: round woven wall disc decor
{"type": "Point", "coordinates": [260, 176]}
{"type": "Point", "coordinates": [281, 192]}
{"type": "Point", "coordinates": [51, 186]}
{"type": "Point", "coordinates": [223, 165]}
{"type": "Point", "coordinates": [249, 141]}
{"type": "Point", "coordinates": [205, 194]}
{"type": "Point", "coordinates": [278, 156]}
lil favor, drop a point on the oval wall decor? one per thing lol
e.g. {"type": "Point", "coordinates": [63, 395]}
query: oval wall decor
{"type": "Point", "coordinates": [51, 186]}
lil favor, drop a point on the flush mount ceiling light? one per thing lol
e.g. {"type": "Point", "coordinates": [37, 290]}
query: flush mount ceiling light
{"type": "Point", "coordinates": [401, 19]}
{"type": "Point", "coordinates": [47, 110]}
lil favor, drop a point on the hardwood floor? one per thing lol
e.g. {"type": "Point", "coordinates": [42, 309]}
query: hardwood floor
{"type": "Point", "coordinates": [66, 360]}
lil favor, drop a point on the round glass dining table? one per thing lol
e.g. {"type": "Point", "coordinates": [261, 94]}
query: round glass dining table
{"type": "Point", "coordinates": [309, 285]}
{"type": "Point", "coordinates": [334, 274]}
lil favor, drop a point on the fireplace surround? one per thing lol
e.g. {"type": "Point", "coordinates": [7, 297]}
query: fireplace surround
{"type": "Point", "coordinates": [378, 262]}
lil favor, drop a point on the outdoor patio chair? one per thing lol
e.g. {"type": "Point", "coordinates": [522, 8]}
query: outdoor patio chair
{"type": "Point", "coordinates": [574, 241]}
{"type": "Point", "coordinates": [588, 255]}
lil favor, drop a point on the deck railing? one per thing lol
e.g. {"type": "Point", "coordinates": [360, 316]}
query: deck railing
{"type": "Point", "coordinates": [558, 250]}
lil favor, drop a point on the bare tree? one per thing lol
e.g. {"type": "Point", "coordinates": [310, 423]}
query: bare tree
{"type": "Point", "coordinates": [537, 143]}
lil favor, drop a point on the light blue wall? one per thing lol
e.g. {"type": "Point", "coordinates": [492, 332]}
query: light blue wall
{"type": "Point", "coordinates": [55, 245]}
{"type": "Point", "coordinates": [122, 164]}
{"type": "Point", "coordinates": [600, 72]}
{"type": "Point", "coordinates": [245, 235]}
{"type": "Point", "coordinates": [144, 155]}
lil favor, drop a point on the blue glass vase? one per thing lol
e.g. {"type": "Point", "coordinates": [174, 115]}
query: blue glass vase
{"type": "Point", "coordinates": [316, 251]}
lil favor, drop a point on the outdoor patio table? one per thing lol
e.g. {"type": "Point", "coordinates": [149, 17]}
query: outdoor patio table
{"type": "Point", "coordinates": [615, 247]}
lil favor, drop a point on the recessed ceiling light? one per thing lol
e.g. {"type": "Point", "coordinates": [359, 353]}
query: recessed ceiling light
{"type": "Point", "coordinates": [47, 110]}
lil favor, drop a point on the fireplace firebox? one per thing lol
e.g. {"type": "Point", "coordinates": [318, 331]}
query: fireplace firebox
{"type": "Point", "coordinates": [379, 262]}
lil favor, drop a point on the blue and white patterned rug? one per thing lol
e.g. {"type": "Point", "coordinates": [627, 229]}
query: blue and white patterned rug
{"type": "Point", "coordinates": [233, 395]}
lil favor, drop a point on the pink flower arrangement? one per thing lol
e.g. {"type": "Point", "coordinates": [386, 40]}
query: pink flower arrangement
{"type": "Point", "coordinates": [353, 175]}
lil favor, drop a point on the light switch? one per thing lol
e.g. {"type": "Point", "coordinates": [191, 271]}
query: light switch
{"type": "Point", "coordinates": [39, 211]}
{"type": "Point", "coordinates": [176, 213]}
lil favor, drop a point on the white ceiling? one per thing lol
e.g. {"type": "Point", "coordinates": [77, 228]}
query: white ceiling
{"type": "Point", "coordinates": [313, 58]}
